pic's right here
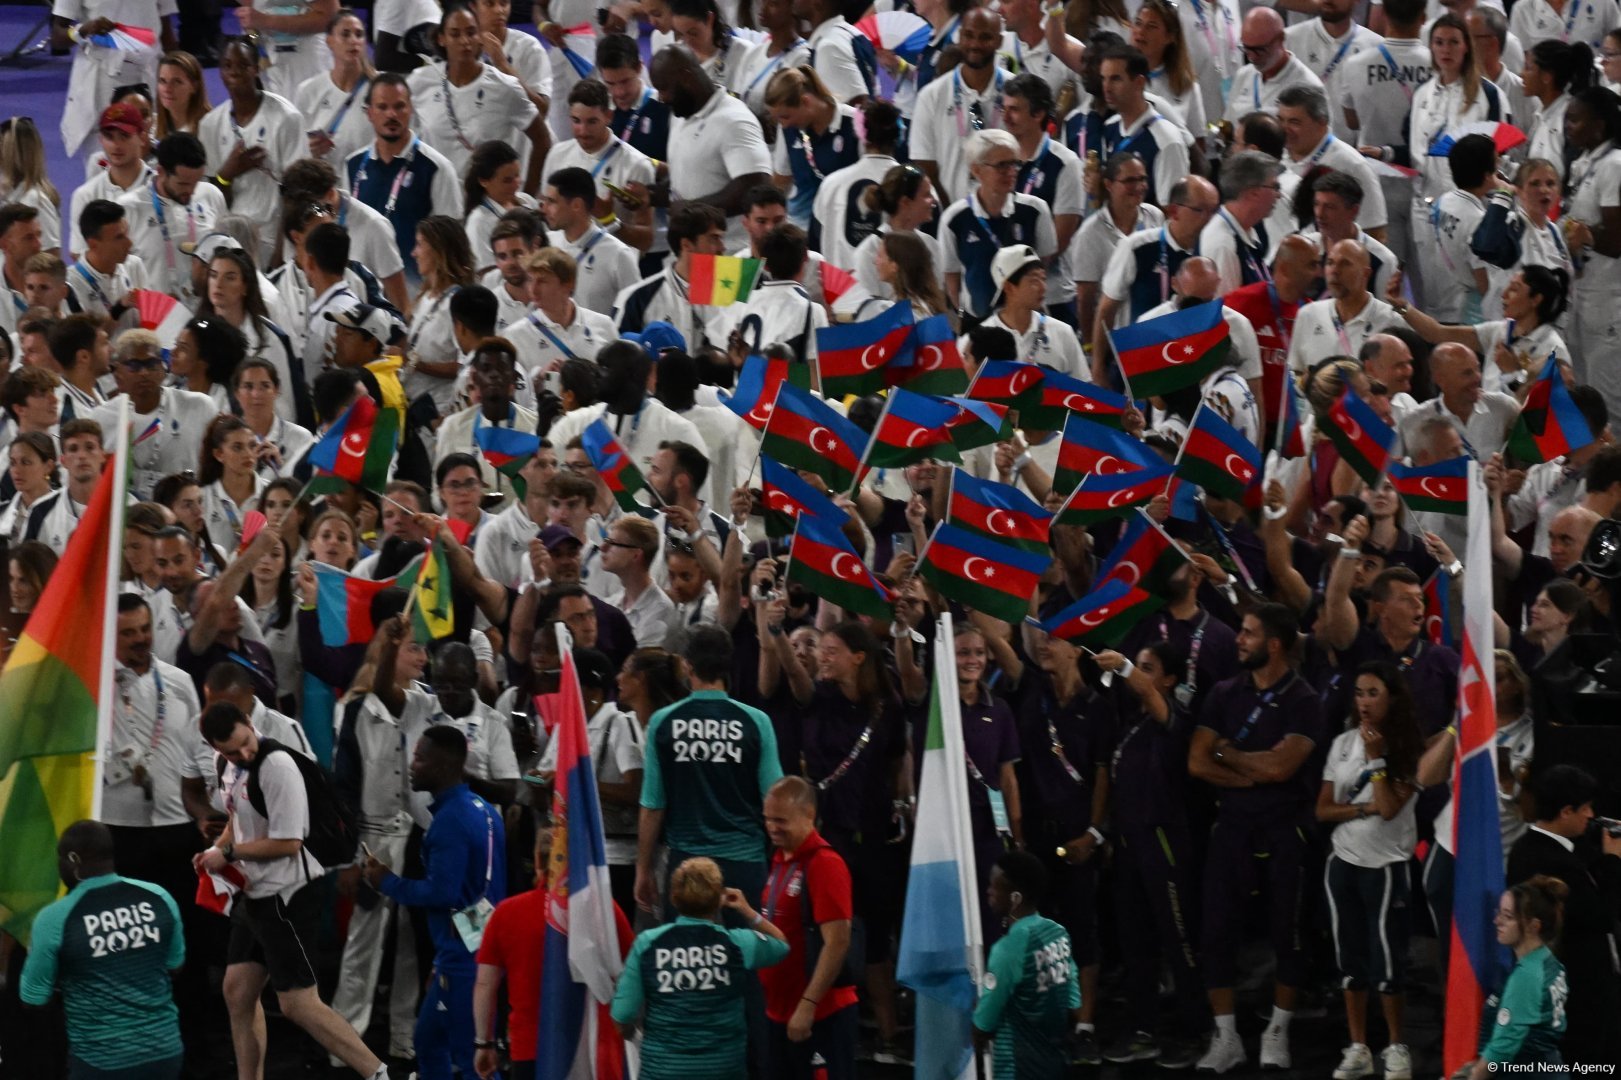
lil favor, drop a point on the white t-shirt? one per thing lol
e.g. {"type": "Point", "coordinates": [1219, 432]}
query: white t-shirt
{"type": "Point", "coordinates": [709, 149]}
{"type": "Point", "coordinates": [455, 119]}
{"type": "Point", "coordinates": [1369, 842]}
{"type": "Point", "coordinates": [154, 728]}
{"type": "Point", "coordinates": [322, 103]}
{"type": "Point", "coordinates": [1251, 93]}
{"type": "Point", "coordinates": [287, 817]}
{"type": "Point", "coordinates": [278, 127]}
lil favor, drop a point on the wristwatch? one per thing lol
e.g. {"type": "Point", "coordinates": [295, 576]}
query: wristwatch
{"type": "Point", "coordinates": [484, 1044]}
{"type": "Point", "coordinates": [228, 849]}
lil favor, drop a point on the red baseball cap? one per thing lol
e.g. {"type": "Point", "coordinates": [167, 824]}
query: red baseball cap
{"type": "Point", "coordinates": [121, 116]}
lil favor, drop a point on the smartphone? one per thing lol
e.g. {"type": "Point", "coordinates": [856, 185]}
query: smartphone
{"type": "Point", "coordinates": [619, 192]}
{"type": "Point", "coordinates": [365, 847]}
{"type": "Point", "coordinates": [899, 542]}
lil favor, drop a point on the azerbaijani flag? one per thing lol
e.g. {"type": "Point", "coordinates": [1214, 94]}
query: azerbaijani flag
{"type": "Point", "coordinates": [343, 605]}
{"type": "Point", "coordinates": [1007, 382]}
{"type": "Point", "coordinates": [358, 448]}
{"type": "Point", "coordinates": [1060, 395]}
{"type": "Point", "coordinates": [820, 559]}
{"type": "Point", "coordinates": [585, 933]}
{"type": "Point", "coordinates": [1172, 351]}
{"type": "Point", "coordinates": [978, 423]}
{"type": "Point", "coordinates": [613, 464]}
{"type": "Point", "coordinates": [56, 701]}
{"type": "Point", "coordinates": [998, 579]}
{"type": "Point", "coordinates": [1438, 609]}
{"type": "Point", "coordinates": [1477, 964]}
{"type": "Point", "coordinates": [940, 946]}
{"type": "Point", "coordinates": [508, 450]}
{"type": "Point", "coordinates": [432, 617]}
{"type": "Point", "coordinates": [784, 495]}
{"type": "Point", "coordinates": [1291, 432]}
{"type": "Point", "coordinates": [912, 428]}
{"type": "Point", "coordinates": [1103, 616]}
{"type": "Point", "coordinates": [1218, 457]}
{"type": "Point", "coordinates": [999, 512]}
{"type": "Point", "coordinates": [1089, 447]}
{"type": "Point", "coordinates": [1550, 424]}
{"type": "Point", "coordinates": [1145, 555]}
{"type": "Point", "coordinates": [756, 391]}
{"type": "Point", "coordinates": [718, 280]}
{"type": "Point", "coordinates": [852, 356]}
{"type": "Point", "coordinates": [1442, 488]}
{"type": "Point", "coordinates": [1100, 496]}
{"type": "Point", "coordinates": [932, 365]}
{"type": "Point", "coordinates": [805, 432]}
{"type": "Point", "coordinates": [1363, 440]}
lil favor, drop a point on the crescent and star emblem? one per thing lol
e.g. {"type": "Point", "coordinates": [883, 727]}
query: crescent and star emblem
{"type": "Point", "coordinates": [1094, 618]}
{"type": "Point", "coordinates": [1424, 486]}
{"type": "Point", "coordinates": [853, 575]}
{"type": "Point", "coordinates": [923, 361]}
{"type": "Point", "coordinates": [1187, 351]}
{"type": "Point", "coordinates": [1242, 470]}
{"type": "Point", "coordinates": [972, 575]}
{"type": "Point", "coordinates": [991, 519]}
{"type": "Point", "coordinates": [832, 443]}
{"type": "Point", "coordinates": [1098, 466]}
{"type": "Point", "coordinates": [870, 365]}
{"type": "Point", "coordinates": [1121, 496]}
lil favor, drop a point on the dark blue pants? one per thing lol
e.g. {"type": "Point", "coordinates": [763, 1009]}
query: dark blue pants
{"type": "Point", "coordinates": [829, 1054]}
{"type": "Point", "coordinates": [1249, 855]}
{"type": "Point", "coordinates": [444, 1032]}
{"type": "Point", "coordinates": [1155, 904]}
{"type": "Point", "coordinates": [1370, 916]}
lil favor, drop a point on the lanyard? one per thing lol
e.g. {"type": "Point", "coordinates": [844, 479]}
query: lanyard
{"type": "Point", "coordinates": [427, 316]}
{"type": "Point", "coordinates": [1164, 265]}
{"type": "Point", "coordinates": [1265, 702]}
{"type": "Point", "coordinates": [1256, 87]}
{"type": "Point", "coordinates": [1126, 143]}
{"type": "Point", "coordinates": [849, 759]}
{"type": "Point", "coordinates": [1317, 155]}
{"type": "Point", "coordinates": [343, 110]}
{"type": "Point", "coordinates": [1338, 56]}
{"type": "Point", "coordinates": [984, 222]}
{"type": "Point", "coordinates": [450, 110]}
{"type": "Point", "coordinates": [1190, 678]}
{"type": "Point", "coordinates": [602, 162]}
{"type": "Point", "coordinates": [156, 735]}
{"type": "Point", "coordinates": [810, 154]}
{"type": "Point", "coordinates": [404, 159]}
{"type": "Point", "coordinates": [1253, 263]}
{"type": "Point", "coordinates": [1285, 326]}
{"type": "Point", "coordinates": [1058, 751]}
{"type": "Point", "coordinates": [1395, 71]}
{"type": "Point", "coordinates": [783, 876]}
{"type": "Point", "coordinates": [1339, 330]}
{"type": "Point", "coordinates": [534, 317]}
{"type": "Point", "coordinates": [771, 64]}
{"type": "Point", "coordinates": [636, 114]}
{"type": "Point", "coordinates": [973, 106]}
{"type": "Point", "coordinates": [95, 286]}
{"type": "Point", "coordinates": [597, 235]}
{"type": "Point", "coordinates": [163, 225]}
{"type": "Point", "coordinates": [1570, 18]}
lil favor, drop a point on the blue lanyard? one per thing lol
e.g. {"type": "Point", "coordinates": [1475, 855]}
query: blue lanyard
{"type": "Point", "coordinates": [534, 317]}
{"type": "Point", "coordinates": [630, 125]}
{"type": "Point", "coordinates": [1255, 264]}
{"type": "Point", "coordinates": [984, 222]}
{"type": "Point", "coordinates": [1125, 144]}
{"type": "Point", "coordinates": [1033, 175]}
{"type": "Point", "coordinates": [1317, 156]}
{"type": "Point", "coordinates": [1164, 266]}
{"type": "Point", "coordinates": [1265, 702]}
{"type": "Point", "coordinates": [1340, 55]}
{"type": "Point", "coordinates": [1570, 18]}
{"type": "Point", "coordinates": [585, 249]}
{"type": "Point", "coordinates": [771, 65]}
{"type": "Point", "coordinates": [602, 163]}
{"type": "Point", "coordinates": [95, 286]}
{"type": "Point", "coordinates": [994, 120]}
{"type": "Point", "coordinates": [1256, 87]}
{"type": "Point", "coordinates": [343, 110]}
{"type": "Point", "coordinates": [1395, 71]}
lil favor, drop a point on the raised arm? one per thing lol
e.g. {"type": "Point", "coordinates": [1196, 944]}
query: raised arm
{"type": "Point", "coordinates": [1340, 626]}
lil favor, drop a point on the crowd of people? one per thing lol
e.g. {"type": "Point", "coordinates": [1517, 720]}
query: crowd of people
{"type": "Point", "coordinates": [435, 216]}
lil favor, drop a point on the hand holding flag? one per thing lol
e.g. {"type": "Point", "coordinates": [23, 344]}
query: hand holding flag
{"type": "Point", "coordinates": [613, 464]}
{"type": "Point", "coordinates": [1549, 424]}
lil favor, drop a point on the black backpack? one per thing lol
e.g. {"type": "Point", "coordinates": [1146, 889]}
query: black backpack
{"type": "Point", "coordinates": [334, 836]}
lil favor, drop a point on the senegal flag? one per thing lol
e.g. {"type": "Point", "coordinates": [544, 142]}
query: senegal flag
{"type": "Point", "coordinates": [55, 700]}
{"type": "Point", "coordinates": [719, 280]}
{"type": "Point", "coordinates": [429, 581]}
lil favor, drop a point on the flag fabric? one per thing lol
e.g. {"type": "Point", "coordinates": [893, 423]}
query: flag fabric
{"type": "Point", "coordinates": [160, 313]}
{"type": "Point", "coordinates": [217, 890]}
{"type": "Point", "coordinates": [996, 578]}
{"type": "Point", "coordinates": [1364, 441]}
{"type": "Point", "coordinates": [1144, 555]}
{"type": "Point", "coordinates": [583, 957]}
{"type": "Point", "coordinates": [999, 512]}
{"type": "Point", "coordinates": [1218, 457]}
{"type": "Point", "coordinates": [1504, 137]}
{"type": "Point", "coordinates": [805, 432]}
{"type": "Point", "coordinates": [836, 281]}
{"type": "Point", "coordinates": [124, 37]}
{"type": "Point", "coordinates": [1089, 447]}
{"type": "Point", "coordinates": [756, 390]}
{"type": "Point", "coordinates": [1438, 626]}
{"type": "Point", "coordinates": [1291, 432]}
{"type": "Point", "coordinates": [1442, 488]}
{"type": "Point", "coordinates": [1172, 351]}
{"type": "Point", "coordinates": [912, 428]}
{"type": "Point", "coordinates": [1550, 424]}
{"type": "Point", "coordinates": [718, 280]}
{"type": "Point", "coordinates": [1103, 616]}
{"type": "Point", "coordinates": [852, 356]}
{"type": "Point", "coordinates": [1184, 499]}
{"type": "Point", "coordinates": [386, 373]}
{"type": "Point", "coordinates": [932, 365]}
{"type": "Point", "coordinates": [1477, 964]}
{"type": "Point", "coordinates": [1007, 382]}
{"type": "Point", "coordinates": [343, 605]}
{"type": "Point", "coordinates": [56, 701]}
{"type": "Point", "coordinates": [508, 450]}
{"type": "Point", "coordinates": [785, 495]}
{"type": "Point", "coordinates": [432, 617]}
{"type": "Point", "coordinates": [1060, 395]}
{"type": "Point", "coordinates": [1100, 496]}
{"type": "Point", "coordinates": [940, 944]}
{"type": "Point", "coordinates": [822, 560]}
{"type": "Point", "coordinates": [358, 448]}
{"type": "Point", "coordinates": [978, 423]}
{"type": "Point", "coordinates": [613, 464]}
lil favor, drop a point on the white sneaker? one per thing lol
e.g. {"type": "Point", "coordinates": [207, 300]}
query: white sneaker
{"type": "Point", "coordinates": [1356, 1064]}
{"type": "Point", "coordinates": [1275, 1048]}
{"type": "Point", "coordinates": [1226, 1052]}
{"type": "Point", "coordinates": [1398, 1062]}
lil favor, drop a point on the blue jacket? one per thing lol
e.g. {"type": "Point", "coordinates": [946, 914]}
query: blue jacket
{"type": "Point", "coordinates": [465, 831]}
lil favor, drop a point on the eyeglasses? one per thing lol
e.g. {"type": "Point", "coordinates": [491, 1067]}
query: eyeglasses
{"type": "Point", "coordinates": [976, 116]}
{"type": "Point", "coordinates": [1252, 50]}
{"type": "Point", "coordinates": [1003, 166]}
{"type": "Point", "coordinates": [620, 544]}
{"type": "Point", "coordinates": [462, 485]}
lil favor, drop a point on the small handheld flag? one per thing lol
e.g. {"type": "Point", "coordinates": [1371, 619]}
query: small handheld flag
{"type": "Point", "coordinates": [852, 356]}
{"type": "Point", "coordinates": [998, 512]}
{"type": "Point", "coordinates": [998, 579]}
{"type": "Point", "coordinates": [978, 423]}
{"type": "Point", "coordinates": [756, 391]}
{"type": "Point", "coordinates": [1218, 457]}
{"type": "Point", "coordinates": [1144, 555]}
{"type": "Point", "coordinates": [613, 464]}
{"type": "Point", "coordinates": [432, 618]}
{"type": "Point", "coordinates": [1089, 447]}
{"type": "Point", "coordinates": [1442, 488]}
{"type": "Point", "coordinates": [1364, 441]}
{"type": "Point", "coordinates": [1549, 424]}
{"type": "Point", "coordinates": [718, 280]}
{"type": "Point", "coordinates": [912, 428]}
{"type": "Point", "coordinates": [805, 432]}
{"type": "Point", "coordinates": [160, 313]}
{"type": "Point", "coordinates": [359, 447]}
{"type": "Point", "coordinates": [822, 560]}
{"type": "Point", "coordinates": [1172, 351]}
{"type": "Point", "coordinates": [1060, 395]}
{"type": "Point", "coordinates": [1438, 626]}
{"type": "Point", "coordinates": [1101, 496]}
{"type": "Point", "coordinates": [508, 450]}
{"type": "Point", "coordinates": [932, 364]}
{"type": "Point", "coordinates": [1007, 382]}
{"type": "Point", "coordinates": [1103, 616]}
{"type": "Point", "coordinates": [785, 495]}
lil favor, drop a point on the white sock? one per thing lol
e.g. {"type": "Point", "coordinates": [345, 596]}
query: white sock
{"type": "Point", "coordinates": [1281, 1018]}
{"type": "Point", "coordinates": [1227, 1023]}
{"type": "Point", "coordinates": [1088, 1028]}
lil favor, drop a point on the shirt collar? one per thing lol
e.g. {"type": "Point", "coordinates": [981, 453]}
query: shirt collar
{"type": "Point", "coordinates": [979, 208]}
{"type": "Point", "coordinates": [447, 796]}
{"type": "Point", "coordinates": [1563, 841]}
{"type": "Point", "coordinates": [709, 106]}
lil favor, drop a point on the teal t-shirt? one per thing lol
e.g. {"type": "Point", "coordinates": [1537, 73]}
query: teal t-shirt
{"type": "Point", "coordinates": [685, 980]}
{"type": "Point", "coordinates": [1530, 1014]}
{"type": "Point", "coordinates": [708, 764]}
{"type": "Point", "coordinates": [1031, 987]}
{"type": "Point", "coordinates": [109, 946]}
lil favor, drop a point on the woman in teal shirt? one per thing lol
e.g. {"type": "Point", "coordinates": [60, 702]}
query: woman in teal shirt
{"type": "Point", "coordinates": [685, 980]}
{"type": "Point", "coordinates": [1522, 1025]}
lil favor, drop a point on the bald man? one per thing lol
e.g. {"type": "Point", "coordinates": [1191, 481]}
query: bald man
{"type": "Point", "coordinates": [1387, 359]}
{"type": "Point", "coordinates": [1271, 67]}
{"type": "Point", "coordinates": [1236, 385]}
{"type": "Point", "coordinates": [1338, 324]}
{"type": "Point", "coordinates": [1483, 417]}
{"type": "Point", "coordinates": [1529, 574]}
{"type": "Point", "coordinates": [1272, 307]}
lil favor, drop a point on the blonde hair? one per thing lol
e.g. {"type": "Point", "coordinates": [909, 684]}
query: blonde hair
{"type": "Point", "coordinates": [696, 887]}
{"type": "Point", "coordinates": [1178, 67]}
{"type": "Point", "coordinates": [22, 160]}
{"type": "Point", "coordinates": [196, 109]}
{"type": "Point", "coordinates": [641, 533]}
{"type": "Point", "coordinates": [790, 85]}
{"type": "Point", "coordinates": [554, 261]}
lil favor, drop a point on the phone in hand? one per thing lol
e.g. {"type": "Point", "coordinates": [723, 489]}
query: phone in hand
{"type": "Point", "coordinates": [902, 541]}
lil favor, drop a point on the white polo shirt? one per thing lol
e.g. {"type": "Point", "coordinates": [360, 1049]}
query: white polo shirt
{"type": "Point", "coordinates": [278, 127]}
{"type": "Point", "coordinates": [1319, 333]}
{"type": "Point", "coordinates": [339, 113]}
{"type": "Point", "coordinates": [834, 59]}
{"type": "Point", "coordinates": [617, 163]}
{"type": "Point", "coordinates": [1337, 154]}
{"type": "Point", "coordinates": [754, 66]}
{"type": "Point", "coordinates": [719, 143]}
{"type": "Point", "coordinates": [93, 292]}
{"type": "Point", "coordinates": [162, 231]}
{"type": "Point", "coordinates": [457, 118]}
{"type": "Point", "coordinates": [604, 267]}
{"type": "Point", "coordinates": [1326, 56]}
{"type": "Point", "coordinates": [153, 726]}
{"type": "Point", "coordinates": [944, 120]}
{"type": "Point", "coordinates": [1251, 93]}
{"type": "Point", "coordinates": [1587, 20]}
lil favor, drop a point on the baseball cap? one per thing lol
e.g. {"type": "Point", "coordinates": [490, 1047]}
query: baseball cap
{"type": "Point", "coordinates": [214, 243]}
{"type": "Point", "coordinates": [657, 336]}
{"type": "Point", "coordinates": [371, 321]}
{"type": "Point", "coordinates": [553, 537]}
{"type": "Point", "coordinates": [1008, 262]}
{"type": "Point", "coordinates": [121, 116]}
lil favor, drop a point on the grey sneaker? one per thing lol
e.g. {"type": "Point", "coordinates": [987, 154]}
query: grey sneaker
{"type": "Point", "coordinates": [1179, 1053]}
{"type": "Point", "coordinates": [1132, 1046]}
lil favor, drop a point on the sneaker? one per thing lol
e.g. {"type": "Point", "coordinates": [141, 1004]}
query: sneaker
{"type": "Point", "coordinates": [1132, 1046]}
{"type": "Point", "coordinates": [1177, 1053]}
{"type": "Point", "coordinates": [1226, 1053]}
{"type": "Point", "coordinates": [1356, 1063]}
{"type": "Point", "coordinates": [1398, 1062]}
{"type": "Point", "coordinates": [891, 1052]}
{"type": "Point", "coordinates": [1084, 1049]}
{"type": "Point", "coordinates": [1275, 1048]}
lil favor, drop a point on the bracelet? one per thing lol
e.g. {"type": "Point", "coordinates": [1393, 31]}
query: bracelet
{"type": "Point", "coordinates": [812, 1000]}
{"type": "Point", "coordinates": [1379, 775]}
{"type": "Point", "coordinates": [608, 220]}
{"type": "Point", "coordinates": [484, 1044]}
{"type": "Point", "coordinates": [1376, 764]}
{"type": "Point", "coordinates": [73, 33]}
{"type": "Point", "coordinates": [228, 849]}
{"type": "Point", "coordinates": [1092, 831]}
{"type": "Point", "coordinates": [1350, 553]}
{"type": "Point", "coordinates": [774, 629]}
{"type": "Point", "coordinates": [1022, 460]}
{"type": "Point", "coordinates": [221, 181]}
{"type": "Point", "coordinates": [1126, 669]}
{"type": "Point", "coordinates": [1275, 515]}
{"type": "Point", "coordinates": [1452, 729]}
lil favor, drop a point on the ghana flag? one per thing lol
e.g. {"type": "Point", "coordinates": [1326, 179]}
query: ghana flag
{"type": "Point", "coordinates": [55, 698]}
{"type": "Point", "coordinates": [719, 280]}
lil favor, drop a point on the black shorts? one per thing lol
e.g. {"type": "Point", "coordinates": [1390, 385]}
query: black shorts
{"type": "Point", "coordinates": [277, 934]}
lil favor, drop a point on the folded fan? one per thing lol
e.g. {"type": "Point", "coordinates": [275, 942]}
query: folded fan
{"type": "Point", "coordinates": [901, 32]}
{"type": "Point", "coordinates": [160, 313]}
{"type": "Point", "coordinates": [125, 38]}
{"type": "Point", "coordinates": [1503, 136]}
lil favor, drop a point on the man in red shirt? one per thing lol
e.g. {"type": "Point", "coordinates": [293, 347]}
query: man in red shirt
{"type": "Point", "coordinates": [1271, 307]}
{"type": "Point", "coordinates": [810, 998]}
{"type": "Point", "coordinates": [514, 945]}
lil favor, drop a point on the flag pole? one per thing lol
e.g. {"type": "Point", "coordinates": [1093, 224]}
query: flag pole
{"type": "Point", "coordinates": [109, 624]}
{"type": "Point", "coordinates": [927, 544]}
{"type": "Point", "coordinates": [1283, 410]}
{"type": "Point", "coordinates": [1125, 380]}
{"type": "Point", "coordinates": [866, 451]}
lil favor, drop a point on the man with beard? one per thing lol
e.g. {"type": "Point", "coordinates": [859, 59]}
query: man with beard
{"type": "Point", "coordinates": [1209, 644]}
{"type": "Point", "coordinates": [428, 184]}
{"type": "Point", "coordinates": [509, 281]}
{"type": "Point", "coordinates": [1255, 736]}
{"type": "Point", "coordinates": [952, 106]}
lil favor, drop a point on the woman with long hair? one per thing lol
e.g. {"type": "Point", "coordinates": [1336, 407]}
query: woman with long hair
{"type": "Point", "coordinates": [31, 563]}
{"type": "Point", "coordinates": [1553, 71]}
{"type": "Point", "coordinates": [32, 468]}
{"type": "Point", "coordinates": [1390, 534]}
{"type": "Point", "coordinates": [1126, 210]}
{"type": "Point", "coordinates": [233, 297]}
{"type": "Point", "coordinates": [905, 198]}
{"type": "Point", "coordinates": [1158, 34]}
{"type": "Point", "coordinates": [701, 29]}
{"type": "Point", "coordinates": [991, 741]}
{"type": "Point", "coordinates": [651, 679]}
{"type": "Point", "coordinates": [182, 94]}
{"type": "Point", "coordinates": [269, 592]}
{"type": "Point", "coordinates": [816, 136]}
{"type": "Point", "coordinates": [905, 268]}
{"type": "Point", "coordinates": [256, 388]}
{"type": "Point", "coordinates": [183, 497]}
{"type": "Point", "coordinates": [1592, 226]}
{"type": "Point", "coordinates": [445, 261]}
{"type": "Point", "coordinates": [1515, 347]}
{"type": "Point", "coordinates": [334, 102]}
{"type": "Point", "coordinates": [841, 218]}
{"type": "Point", "coordinates": [206, 352]}
{"type": "Point", "coordinates": [1369, 782]}
{"type": "Point", "coordinates": [228, 473]}
{"type": "Point", "coordinates": [1524, 1025]}
{"type": "Point", "coordinates": [1560, 609]}
{"type": "Point", "coordinates": [780, 49]}
{"type": "Point", "coordinates": [24, 178]}
{"type": "Point", "coordinates": [489, 189]}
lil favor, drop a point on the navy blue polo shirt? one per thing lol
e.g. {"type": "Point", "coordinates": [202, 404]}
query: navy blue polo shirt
{"type": "Point", "coordinates": [373, 182]}
{"type": "Point", "coordinates": [1157, 260]}
{"type": "Point", "coordinates": [1089, 124]}
{"type": "Point", "coordinates": [1082, 730]}
{"type": "Point", "coordinates": [812, 160]}
{"type": "Point", "coordinates": [1431, 671]}
{"type": "Point", "coordinates": [977, 238]}
{"type": "Point", "coordinates": [1257, 720]}
{"type": "Point", "coordinates": [1142, 142]}
{"type": "Point", "coordinates": [928, 61]}
{"type": "Point", "coordinates": [1039, 176]}
{"type": "Point", "coordinates": [646, 127]}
